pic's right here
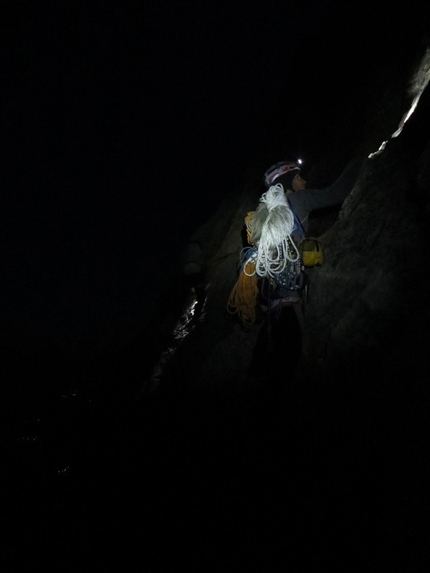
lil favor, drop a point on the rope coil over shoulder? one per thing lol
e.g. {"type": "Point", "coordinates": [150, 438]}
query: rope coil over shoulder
{"type": "Point", "coordinates": [270, 254]}
{"type": "Point", "coordinates": [275, 247]}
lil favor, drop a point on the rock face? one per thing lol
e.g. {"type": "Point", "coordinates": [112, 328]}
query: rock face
{"type": "Point", "coordinates": [216, 473]}
{"type": "Point", "coordinates": [330, 456]}
{"type": "Point", "coordinates": [327, 451]}
{"type": "Point", "coordinates": [366, 315]}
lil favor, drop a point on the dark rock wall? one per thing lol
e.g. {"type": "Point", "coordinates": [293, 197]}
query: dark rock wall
{"type": "Point", "coordinates": [366, 315]}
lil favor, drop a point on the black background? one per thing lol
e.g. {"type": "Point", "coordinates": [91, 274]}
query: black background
{"type": "Point", "coordinates": [124, 125]}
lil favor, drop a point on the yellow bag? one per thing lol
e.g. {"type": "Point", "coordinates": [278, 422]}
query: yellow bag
{"type": "Point", "coordinates": [311, 252]}
{"type": "Point", "coordinates": [243, 297]}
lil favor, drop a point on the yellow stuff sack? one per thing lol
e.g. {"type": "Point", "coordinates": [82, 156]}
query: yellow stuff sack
{"type": "Point", "coordinates": [311, 252]}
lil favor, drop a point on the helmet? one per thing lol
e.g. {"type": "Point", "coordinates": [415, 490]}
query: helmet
{"type": "Point", "coordinates": [279, 169]}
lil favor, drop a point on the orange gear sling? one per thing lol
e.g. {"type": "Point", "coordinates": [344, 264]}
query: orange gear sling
{"type": "Point", "coordinates": [243, 297]}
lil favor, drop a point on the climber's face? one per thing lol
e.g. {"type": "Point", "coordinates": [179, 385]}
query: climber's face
{"type": "Point", "coordinates": [298, 183]}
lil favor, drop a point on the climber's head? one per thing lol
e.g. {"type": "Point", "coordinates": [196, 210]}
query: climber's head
{"type": "Point", "coordinates": [298, 183]}
{"type": "Point", "coordinates": [287, 173]}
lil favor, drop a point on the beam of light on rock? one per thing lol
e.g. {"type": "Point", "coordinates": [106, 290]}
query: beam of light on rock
{"type": "Point", "coordinates": [419, 82]}
{"type": "Point", "coordinates": [182, 329]}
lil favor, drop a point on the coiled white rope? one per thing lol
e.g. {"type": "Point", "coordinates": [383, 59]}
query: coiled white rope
{"type": "Point", "coordinates": [276, 244]}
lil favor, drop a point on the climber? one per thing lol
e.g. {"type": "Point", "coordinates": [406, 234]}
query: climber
{"type": "Point", "coordinates": [275, 231]}
{"type": "Point", "coordinates": [301, 201]}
